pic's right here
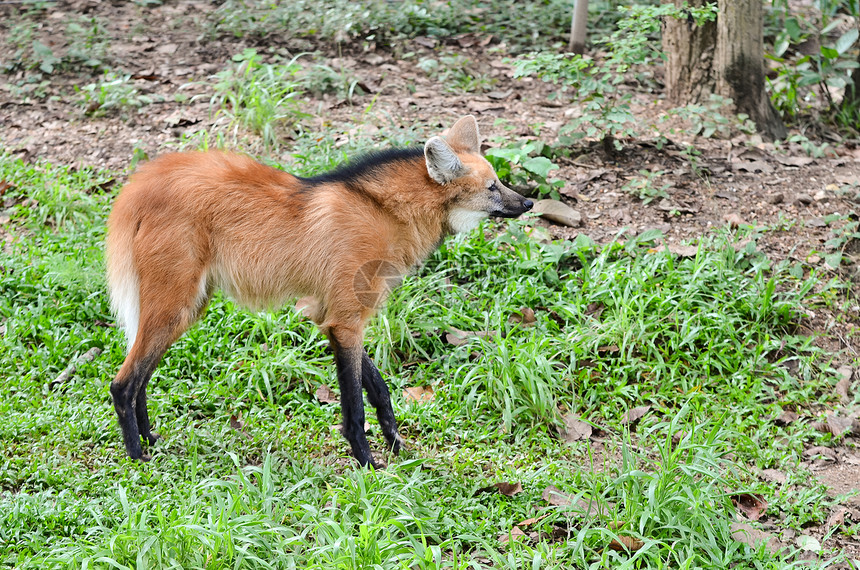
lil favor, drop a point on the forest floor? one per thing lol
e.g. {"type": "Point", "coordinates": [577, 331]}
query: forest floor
{"type": "Point", "coordinates": [797, 201]}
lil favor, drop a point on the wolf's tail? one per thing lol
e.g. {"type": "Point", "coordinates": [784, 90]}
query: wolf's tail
{"type": "Point", "coordinates": [123, 280]}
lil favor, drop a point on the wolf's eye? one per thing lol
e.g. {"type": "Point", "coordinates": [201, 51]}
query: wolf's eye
{"type": "Point", "coordinates": [493, 187]}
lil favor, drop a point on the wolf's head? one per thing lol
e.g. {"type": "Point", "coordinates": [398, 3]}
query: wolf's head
{"type": "Point", "coordinates": [455, 162]}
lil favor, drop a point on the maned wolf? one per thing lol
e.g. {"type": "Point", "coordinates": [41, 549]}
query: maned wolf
{"type": "Point", "coordinates": [187, 223]}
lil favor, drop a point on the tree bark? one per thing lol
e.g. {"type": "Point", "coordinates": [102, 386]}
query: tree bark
{"type": "Point", "coordinates": [740, 63]}
{"type": "Point", "coordinates": [852, 90]}
{"type": "Point", "coordinates": [725, 57]}
{"type": "Point", "coordinates": [578, 31]}
{"type": "Point", "coordinates": [689, 48]}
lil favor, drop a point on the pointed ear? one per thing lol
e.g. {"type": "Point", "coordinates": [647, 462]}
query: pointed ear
{"type": "Point", "coordinates": [464, 135]}
{"type": "Point", "coordinates": [443, 164]}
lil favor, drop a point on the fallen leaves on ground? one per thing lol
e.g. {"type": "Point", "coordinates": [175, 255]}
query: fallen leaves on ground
{"type": "Point", "coordinates": [683, 250]}
{"type": "Point", "coordinates": [836, 518]}
{"type": "Point", "coordinates": [626, 543]}
{"type": "Point", "coordinates": [747, 534]}
{"type": "Point", "coordinates": [587, 508]}
{"type": "Point", "coordinates": [845, 374]}
{"type": "Point", "coordinates": [574, 429]}
{"type": "Point", "coordinates": [325, 395]}
{"type": "Point", "coordinates": [503, 488]}
{"type": "Point", "coordinates": [525, 317]}
{"type": "Point", "coordinates": [457, 337]}
{"type": "Point", "coordinates": [752, 506]}
{"type": "Point", "coordinates": [634, 415]}
{"type": "Point", "coordinates": [515, 534]}
{"type": "Point", "coordinates": [419, 394]}
{"type": "Point", "coordinates": [237, 424]}
{"type": "Point", "coordinates": [785, 418]}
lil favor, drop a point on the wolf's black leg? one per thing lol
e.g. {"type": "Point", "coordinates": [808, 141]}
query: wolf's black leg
{"type": "Point", "coordinates": [128, 391]}
{"type": "Point", "coordinates": [380, 398]}
{"type": "Point", "coordinates": [142, 416]}
{"type": "Point", "coordinates": [348, 360]}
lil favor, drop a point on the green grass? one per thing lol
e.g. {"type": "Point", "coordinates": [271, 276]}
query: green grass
{"type": "Point", "coordinates": [518, 24]}
{"type": "Point", "coordinates": [704, 341]}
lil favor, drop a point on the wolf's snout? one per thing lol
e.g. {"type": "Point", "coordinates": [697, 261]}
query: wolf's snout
{"type": "Point", "coordinates": [528, 204]}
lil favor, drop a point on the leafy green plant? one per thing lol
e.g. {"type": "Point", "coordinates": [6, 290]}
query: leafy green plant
{"type": "Point", "coordinates": [378, 22]}
{"type": "Point", "coordinates": [792, 89]}
{"type": "Point", "coordinates": [521, 164]}
{"type": "Point", "coordinates": [606, 114]}
{"type": "Point", "coordinates": [87, 43]}
{"type": "Point", "coordinates": [113, 93]}
{"type": "Point", "coordinates": [319, 78]}
{"type": "Point", "coordinates": [262, 97]}
{"type": "Point", "coordinates": [644, 186]}
{"type": "Point", "coordinates": [455, 73]}
{"type": "Point", "coordinates": [845, 241]}
{"type": "Point", "coordinates": [708, 122]}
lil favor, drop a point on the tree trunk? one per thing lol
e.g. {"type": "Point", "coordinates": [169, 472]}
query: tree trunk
{"type": "Point", "coordinates": [724, 57]}
{"type": "Point", "coordinates": [689, 48]}
{"type": "Point", "coordinates": [740, 63]}
{"type": "Point", "coordinates": [578, 23]}
{"type": "Point", "coordinates": [852, 90]}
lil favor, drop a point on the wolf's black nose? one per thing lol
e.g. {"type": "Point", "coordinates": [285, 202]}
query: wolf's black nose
{"type": "Point", "coordinates": [527, 204]}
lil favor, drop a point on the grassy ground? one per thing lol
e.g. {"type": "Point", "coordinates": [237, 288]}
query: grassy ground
{"type": "Point", "coordinates": [252, 472]}
{"type": "Point", "coordinates": [678, 366]}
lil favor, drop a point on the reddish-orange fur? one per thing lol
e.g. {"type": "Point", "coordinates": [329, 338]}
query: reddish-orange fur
{"type": "Point", "coordinates": [188, 223]}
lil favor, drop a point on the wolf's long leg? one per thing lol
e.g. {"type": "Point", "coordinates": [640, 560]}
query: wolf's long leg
{"type": "Point", "coordinates": [380, 397]}
{"type": "Point", "coordinates": [348, 357]}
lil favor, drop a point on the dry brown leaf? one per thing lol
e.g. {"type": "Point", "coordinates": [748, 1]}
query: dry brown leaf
{"type": "Point", "coordinates": [752, 506]}
{"type": "Point", "coordinates": [774, 476]}
{"type": "Point", "coordinates": [745, 533]}
{"type": "Point", "coordinates": [419, 394]}
{"type": "Point", "coordinates": [836, 518]}
{"type": "Point", "coordinates": [515, 534]}
{"type": "Point", "coordinates": [838, 426]}
{"type": "Point", "coordinates": [820, 451]}
{"type": "Point", "coordinates": [626, 543]}
{"type": "Point", "coordinates": [634, 415]}
{"type": "Point", "coordinates": [574, 429]}
{"type": "Point", "coordinates": [785, 418]}
{"type": "Point", "coordinates": [594, 309]}
{"type": "Point", "coordinates": [508, 489]}
{"type": "Point", "coordinates": [794, 160]}
{"type": "Point", "coordinates": [457, 337]}
{"type": "Point", "coordinates": [325, 395]}
{"type": "Point", "coordinates": [503, 488]}
{"type": "Point", "coordinates": [556, 497]}
{"type": "Point", "coordinates": [609, 349]}
{"type": "Point", "coordinates": [531, 521]}
{"type": "Point", "coordinates": [525, 317]}
{"type": "Point", "coordinates": [753, 166]}
{"type": "Point", "coordinates": [425, 41]}
{"type": "Point", "coordinates": [683, 250]}
{"type": "Point", "coordinates": [734, 220]}
{"type": "Point", "coordinates": [237, 424]}
{"type": "Point", "coordinates": [845, 374]}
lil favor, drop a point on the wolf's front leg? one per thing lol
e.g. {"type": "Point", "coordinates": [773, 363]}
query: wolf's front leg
{"type": "Point", "coordinates": [380, 398]}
